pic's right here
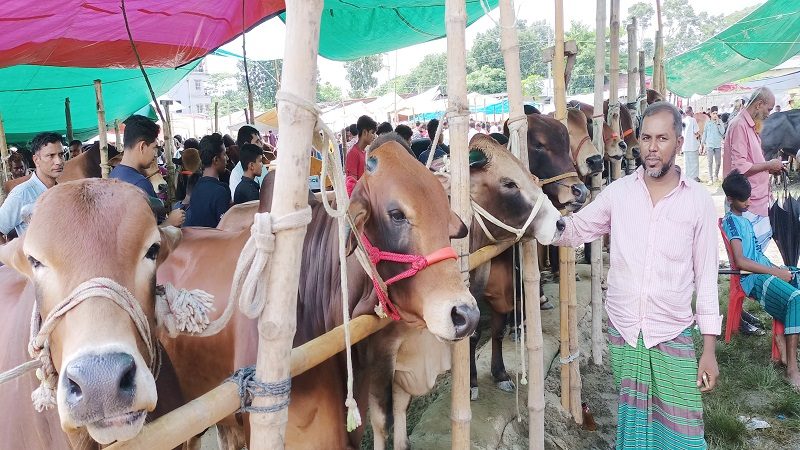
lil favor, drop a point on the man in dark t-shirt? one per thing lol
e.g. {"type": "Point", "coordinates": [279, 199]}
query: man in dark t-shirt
{"type": "Point", "coordinates": [250, 156]}
{"type": "Point", "coordinates": [211, 198]}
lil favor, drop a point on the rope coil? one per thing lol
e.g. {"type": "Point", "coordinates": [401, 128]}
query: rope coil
{"type": "Point", "coordinates": [570, 358]}
{"type": "Point", "coordinates": [250, 388]}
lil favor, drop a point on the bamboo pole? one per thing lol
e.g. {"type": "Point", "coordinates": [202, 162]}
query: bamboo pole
{"type": "Point", "coordinates": [216, 117]}
{"type": "Point", "coordinates": [574, 347]}
{"type": "Point", "coordinates": [613, 84]}
{"type": "Point", "coordinates": [117, 135]}
{"type": "Point", "coordinates": [597, 182]}
{"type": "Point", "coordinates": [633, 70]}
{"type": "Point", "coordinates": [169, 152]}
{"type": "Point", "coordinates": [642, 81]}
{"type": "Point", "coordinates": [659, 83]}
{"type": "Point", "coordinates": [68, 117]}
{"type": "Point", "coordinates": [105, 169]}
{"type": "Point", "coordinates": [4, 152]}
{"type": "Point", "coordinates": [278, 320]}
{"type": "Point", "coordinates": [530, 276]}
{"type": "Point", "coordinates": [191, 419]}
{"type": "Point", "coordinates": [455, 24]}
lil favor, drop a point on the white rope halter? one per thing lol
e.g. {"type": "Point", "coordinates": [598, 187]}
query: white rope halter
{"type": "Point", "coordinates": [179, 311]}
{"type": "Point", "coordinates": [481, 214]}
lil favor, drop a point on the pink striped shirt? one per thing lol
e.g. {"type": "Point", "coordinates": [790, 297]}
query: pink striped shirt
{"type": "Point", "coordinates": [742, 151]}
{"type": "Point", "coordinates": [660, 255]}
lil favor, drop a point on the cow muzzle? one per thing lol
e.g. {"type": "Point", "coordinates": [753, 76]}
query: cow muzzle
{"type": "Point", "coordinates": [595, 163]}
{"type": "Point", "coordinates": [465, 320]}
{"type": "Point", "coordinates": [108, 392]}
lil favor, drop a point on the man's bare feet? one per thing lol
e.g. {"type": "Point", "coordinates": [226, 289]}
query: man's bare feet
{"type": "Point", "coordinates": [793, 377]}
{"type": "Point", "coordinates": [780, 341]}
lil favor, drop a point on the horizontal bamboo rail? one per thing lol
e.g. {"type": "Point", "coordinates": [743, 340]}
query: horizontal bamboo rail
{"type": "Point", "coordinates": [192, 418]}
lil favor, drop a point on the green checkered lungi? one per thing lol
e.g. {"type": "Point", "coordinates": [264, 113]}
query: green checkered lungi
{"type": "Point", "coordinates": [779, 298]}
{"type": "Point", "coordinates": [659, 403]}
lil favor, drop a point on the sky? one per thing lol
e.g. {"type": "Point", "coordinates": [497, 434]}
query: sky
{"type": "Point", "coordinates": [583, 11]}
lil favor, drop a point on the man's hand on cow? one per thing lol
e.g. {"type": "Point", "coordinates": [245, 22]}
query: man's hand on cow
{"type": "Point", "coordinates": [176, 218]}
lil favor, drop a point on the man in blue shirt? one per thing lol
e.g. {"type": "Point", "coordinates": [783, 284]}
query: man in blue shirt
{"type": "Point", "coordinates": [712, 144]}
{"type": "Point", "coordinates": [211, 198]}
{"type": "Point", "coordinates": [776, 288]}
{"type": "Point", "coordinates": [139, 143]}
{"type": "Point", "coordinates": [48, 157]}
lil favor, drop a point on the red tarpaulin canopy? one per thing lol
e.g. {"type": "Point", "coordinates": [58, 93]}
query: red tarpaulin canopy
{"type": "Point", "coordinates": [81, 33]}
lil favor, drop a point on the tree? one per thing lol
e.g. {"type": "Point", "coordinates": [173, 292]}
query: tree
{"type": "Point", "coordinates": [487, 80]}
{"type": "Point", "coordinates": [263, 81]}
{"type": "Point", "coordinates": [644, 13]}
{"type": "Point", "coordinates": [533, 39]}
{"type": "Point", "coordinates": [684, 28]}
{"type": "Point", "coordinates": [532, 86]}
{"type": "Point", "coordinates": [327, 92]}
{"type": "Point", "coordinates": [430, 72]}
{"type": "Point", "coordinates": [582, 78]}
{"type": "Point", "coordinates": [361, 74]}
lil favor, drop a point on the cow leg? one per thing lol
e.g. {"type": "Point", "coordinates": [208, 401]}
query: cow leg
{"type": "Point", "coordinates": [473, 368]}
{"type": "Point", "coordinates": [382, 354]}
{"type": "Point", "coordinates": [400, 401]}
{"type": "Point", "coordinates": [230, 437]}
{"type": "Point", "coordinates": [498, 366]}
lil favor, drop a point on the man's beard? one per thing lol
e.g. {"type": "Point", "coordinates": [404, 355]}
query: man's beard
{"type": "Point", "coordinates": [658, 173]}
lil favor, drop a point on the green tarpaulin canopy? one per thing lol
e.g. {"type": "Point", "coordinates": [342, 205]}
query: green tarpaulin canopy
{"type": "Point", "coordinates": [762, 40]}
{"type": "Point", "coordinates": [353, 29]}
{"type": "Point", "coordinates": [32, 97]}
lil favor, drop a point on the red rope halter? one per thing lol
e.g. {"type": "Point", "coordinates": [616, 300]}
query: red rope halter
{"type": "Point", "coordinates": [418, 263]}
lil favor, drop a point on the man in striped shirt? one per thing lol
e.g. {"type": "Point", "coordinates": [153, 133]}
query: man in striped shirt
{"type": "Point", "coordinates": [663, 229]}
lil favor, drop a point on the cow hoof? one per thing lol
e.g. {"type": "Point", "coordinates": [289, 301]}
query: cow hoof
{"type": "Point", "coordinates": [506, 386]}
{"type": "Point", "coordinates": [473, 394]}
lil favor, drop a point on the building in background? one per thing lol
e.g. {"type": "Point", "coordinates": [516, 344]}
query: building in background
{"type": "Point", "coordinates": [193, 92]}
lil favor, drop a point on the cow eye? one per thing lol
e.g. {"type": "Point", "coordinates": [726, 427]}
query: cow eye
{"type": "Point", "coordinates": [34, 262]}
{"type": "Point", "coordinates": [510, 184]}
{"type": "Point", "coordinates": [397, 215]}
{"type": "Point", "coordinates": [152, 252]}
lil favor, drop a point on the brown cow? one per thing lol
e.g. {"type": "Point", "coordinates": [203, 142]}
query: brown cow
{"type": "Point", "coordinates": [401, 207]}
{"type": "Point", "coordinates": [613, 146]}
{"type": "Point", "coordinates": [105, 386]}
{"type": "Point", "coordinates": [587, 159]}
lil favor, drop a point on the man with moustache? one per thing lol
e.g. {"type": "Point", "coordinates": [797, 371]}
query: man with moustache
{"type": "Point", "coordinates": [743, 152]}
{"type": "Point", "coordinates": [48, 156]}
{"type": "Point", "coordinates": [651, 281]}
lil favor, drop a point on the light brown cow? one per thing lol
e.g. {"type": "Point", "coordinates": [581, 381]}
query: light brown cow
{"type": "Point", "coordinates": [83, 230]}
{"type": "Point", "coordinates": [614, 147]}
{"type": "Point", "coordinates": [587, 159]}
{"type": "Point", "coordinates": [400, 207]}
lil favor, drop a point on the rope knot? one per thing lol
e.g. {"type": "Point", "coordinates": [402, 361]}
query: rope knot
{"type": "Point", "coordinates": [418, 264]}
{"type": "Point", "coordinates": [374, 254]}
{"type": "Point", "coordinates": [182, 310]}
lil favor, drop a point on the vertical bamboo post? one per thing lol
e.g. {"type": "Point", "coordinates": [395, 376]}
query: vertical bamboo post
{"type": "Point", "coordinates": [659, 75]}
{"type": "Point", "coordinates": [68, 117]}
{"type": "Point", "coordinates": [246, 119]}
{"type": "Point", "coordinates": [597, 182]}
{"type": "Point", "coordinates": [169, 152]}
{"type": "Point", "coordinates": [509, 43]}
{"type": "Point", "coordinates": [4, 153]}
{"type": "Point", "coordinates": [633, 70]}
{"type": "Point", "coordinates": [102, 129]}
{"type": "Point", "coordinates": [117, 135]}
{"type": "Point", "coordinates": [278, 321]}
{"type": "Point", "coordinates": [613, 84]}
{"type": "Point", "coordinates": [456, 24]}
{"type": "Point", "coordinates": [642, 81]}
{"type": "Point", "coordinates": [216, 117]}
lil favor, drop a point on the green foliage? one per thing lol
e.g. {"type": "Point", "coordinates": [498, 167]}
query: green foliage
{"type": "Point", "coordinates": [532, 86]}
{"type": "Point", "coordinates": [327, 92]}
{"type": "Point", "coordinates": [263, 81]}
{"type": "Point", "coordinates": [644, 13]}
{"type": "Point", "coordinates": [684, 28]}
{"type": "Point", "coordinates": [533, 39]}
{"type": "Point", "coordinates": [361, 74]}
{"type": "Point", "coordinates": [487, 80]}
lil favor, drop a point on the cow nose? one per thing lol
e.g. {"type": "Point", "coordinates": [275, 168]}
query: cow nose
{"type": "Point", "coordinates": [162, 187]}
{"type": "Point", "coordinates": [97, 384]}
{"type": "Point", "coordinates": [580, 192]}
{"type": "Point", "coordinates": [465, 320]}
{"type": "Point", "coordinates": [560, 224]}
{"type": "Point", "coordinates": [636, 152]}
{"type": "Point", "coordinates": [623, 146]}
{"type": "Point", "coordinates": [595, 163]}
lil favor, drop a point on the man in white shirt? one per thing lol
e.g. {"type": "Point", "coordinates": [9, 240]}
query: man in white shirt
{"type": "Point", "coordinates": [247, 135]}
{"type": "Point", "coordinates": [691, 145]}
{"type": "Point", "coordinates": [48, 156]}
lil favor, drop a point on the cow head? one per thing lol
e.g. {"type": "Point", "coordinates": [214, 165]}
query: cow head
{"type": "Point", "coordinates": [615, 146]}
{"type": "Point", "coordinates": [505, 188]}
{"type": "Point", "coordinates": [549, 157]}
{"type": "Point", "coordinates": [82, 230]}
{"type": "Point", "coordinates": [153, 175]}
{"type": "Point", "coordinates": [401, 207]}
{"type": "Point", "coordinates": [587, 159]}
{"type": "Point", "coordinates": [628, 133]}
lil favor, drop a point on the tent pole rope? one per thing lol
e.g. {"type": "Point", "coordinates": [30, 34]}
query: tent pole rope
{"type": "Point", "coordinates": [139, 60]}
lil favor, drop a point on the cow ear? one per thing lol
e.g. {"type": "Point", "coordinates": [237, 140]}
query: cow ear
{"type": "Point", "coordinates": [457, 228]}
{"type": "Point", "coordinates": [113, 162]}
{"type": "Point", "coordinates": [170, 238]}
{"type": "Point", "coordinates": [11, 254]}
{"type": "Point", "coordinates": [359, 212]}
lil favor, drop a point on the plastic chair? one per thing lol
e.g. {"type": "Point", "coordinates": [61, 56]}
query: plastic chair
{"type": "Point", "coordinates": [736, 299]}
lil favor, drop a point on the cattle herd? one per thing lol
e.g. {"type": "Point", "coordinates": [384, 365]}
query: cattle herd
{"type": "Point", "coordinates": [93, 229]}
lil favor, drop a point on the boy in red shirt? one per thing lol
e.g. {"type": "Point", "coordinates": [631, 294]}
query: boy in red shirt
{"type": "Point", "coordinates": [356, 156]}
